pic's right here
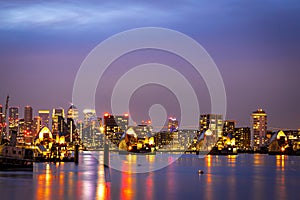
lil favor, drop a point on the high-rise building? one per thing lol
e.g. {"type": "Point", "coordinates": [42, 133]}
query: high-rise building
{"type": "Point", "coordinates": [45, 116]}
{"type": "Point", "coordinates": [36, 125]}
{"type": "Point", "coordinates": [73, 113]}
{"type": "Point", "coordinates": [212, 122]}
{"type": "Point", "coordinates": [89, 116]}
{"type": "Point", "coordinates": [20, 134]}
{"type": "Point", "coordinates": [228, 127]}
{"type": "Point", "coordinates": [242, 137]}
{"type": "Point", "coordinates": [115, 126]}
{"type": "Point", "coordinates": [172, 124]}
{"type": "Point", "coordinates": [259, 128]}
{"type": "Point", "coordinates": [28, 117]}
{"type": "Point", "coordinates": [80, 129]}
{"type": "Point", "coordinates": [13, 118]}
{"type": "Point", "coordinates": [58, 121]}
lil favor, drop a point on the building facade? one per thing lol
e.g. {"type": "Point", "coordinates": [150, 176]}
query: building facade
{"type": "Point", "coordinates": [259, 129]}
{"type": "Point", "coordinates": [28, 117]}
{"type": "Point", "coordinates": [213, 122]}
{"type": "Point", "coordinates": [13, 118]}
{"type": "Point", "coordinates": [45, 117]}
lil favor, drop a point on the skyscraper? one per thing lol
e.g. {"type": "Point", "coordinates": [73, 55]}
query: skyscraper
{"type": "Point", "coordinates": [228, 127]}
{"type": "Point", "coordinates": [212, 122]}
{"type": "Point", "coordinates": [36, 125]}
{"type": "Point", "coordinates": [45, 116]}
{"type": "Point", "coordinates": [58, 120]}
{"type": "Point", "coordinates": [13, 118]}
{"type": "Point", "coordinates": [242, 137]}
{"type": "Point", "coordinates": [89, 116]}
{"type": "Point", "coordinates": [259, 128]}
{"type": "Point", "coordinates": [28, 117]}
{"type": "Point", "coordinates": [73, 113]}
{"type": "Point", "coordinates": [115, 126]}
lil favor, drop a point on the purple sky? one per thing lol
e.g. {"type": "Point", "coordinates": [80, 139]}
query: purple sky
{"type": "Point", "coordinates": [255, 44]}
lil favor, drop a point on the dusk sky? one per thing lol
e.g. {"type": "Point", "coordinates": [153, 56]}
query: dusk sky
{"type": "Point", "coordinates": [255, 44]}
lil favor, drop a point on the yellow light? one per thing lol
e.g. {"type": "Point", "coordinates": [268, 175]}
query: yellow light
{"type": "Point", "coordinates": [282, 149]}
{"type": "Point", "coordinates": [102, 129]}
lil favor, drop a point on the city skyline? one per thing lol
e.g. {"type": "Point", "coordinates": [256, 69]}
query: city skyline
{"type": "Point", "coordinates": [37, 113]}
{"type": "Point", "coordinates": [255, 46]}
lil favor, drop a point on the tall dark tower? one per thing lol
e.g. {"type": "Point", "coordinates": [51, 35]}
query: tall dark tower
{"type": "Point", "coordinates": [28, 117]}
{"type": "Point", "coordinates": [13, 117]}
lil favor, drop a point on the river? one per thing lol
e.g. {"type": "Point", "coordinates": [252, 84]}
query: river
{"type": "Point", "coordinates": [246, 176]}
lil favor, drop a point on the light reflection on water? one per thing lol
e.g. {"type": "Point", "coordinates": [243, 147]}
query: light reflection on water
{"type": "Point", "coordinates": [225, 177]}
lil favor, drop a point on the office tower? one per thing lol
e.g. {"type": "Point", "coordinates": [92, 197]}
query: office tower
{"type": "Point", "coordinates": [45, 116]}
{"type": "Point", "coordinates": [228, 127]}
{"type": "Point", "coordinates": [212, 122]}
{"type": "Point", "coordinates": [36, 125]}
{"type": "Point", "coordinates": [115, 123]}
{"type": "Point", "coordinates": [80, 129]}
{"type": "Point", "coordinates": [172, 124]}
{"type": "Point", "coordinates": [259, 128]}
{"type": "Point", "coordinates": [242, 137]}
{"type": "Point", "coordinates": [58, 121]}
{"type": "Point", "coordinates": [13, 118]}
{"type": "Point", "coordinates": [73, 113]}
{"type": "Point", "coordinates": [89, 116]}
{"type": "Point", "coordinates": [20, 133]}
{"type": "Point", "coordinates": [72, 131]}
{"type": "Point", "coordinates": [28, 117]}
{"type": "Point", "coordinates": [115, 126]}
{"type": "Point", "coordinates": [58, 112]}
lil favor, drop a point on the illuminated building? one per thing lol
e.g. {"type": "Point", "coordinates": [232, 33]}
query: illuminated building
{"type": "Point", "coordinates": [13, 118]}
{"type": "Point", "coordinates": [278, 142]}
{"type": "Point", "coordinates": [80, 129]}
{"type": "Point", "coordinates": [242, 137]}
{"type": "Point", "coordinates": [45, 116]}
{"type": "Point", "coordinates": [115, 123]}
{"type": "Point", "coordinates": [36, 125]}
{"type": "Point", "coordinates": [20, 134]}
{"type": "Point", "coordinates": [142, 130]}
{"type": "Point", "coordinates": [91, 132]}
{"type": "Point", "coordinates": [172, 124]}
{"type": "Point", "coordinates": [228, 127]}
{"type": "Point", "coordinates": [163, 139]}
{"type": "Point", "coordinates": [28, 117]}
{"type": "Point", "coordinates": [73, 113]}
{"type": "Point", "coordinates": [58, 121]}
{"type": "Point", "coordinates": [115, 126]}
{"type": "Point", "coordinates": [89, 116]}
{"type": "Point", "coordinates": [186, 138]}
{"type": "Point", "coordinates": [213, 122]}
{"type": "Point", "coordinates": [259, 129]}
{"type": "Point", "coordinates": [72, 131]}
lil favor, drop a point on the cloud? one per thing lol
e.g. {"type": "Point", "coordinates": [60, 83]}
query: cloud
{"type": "Point", "coordinates": [64, 14]}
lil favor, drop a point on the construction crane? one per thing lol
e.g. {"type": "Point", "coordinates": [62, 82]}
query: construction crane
{"type": "Point", "coordinates": [4, 119]}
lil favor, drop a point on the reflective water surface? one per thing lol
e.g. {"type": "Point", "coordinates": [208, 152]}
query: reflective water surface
{"type": "Point", "coordinates": [249, 176]}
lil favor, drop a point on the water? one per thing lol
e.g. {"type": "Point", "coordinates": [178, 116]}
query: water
{"type": "Point", "coordinates": [225, 177]}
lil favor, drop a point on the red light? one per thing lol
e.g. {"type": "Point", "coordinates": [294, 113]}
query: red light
{"type": "Point", "coordinates": [149, 121]}
{"type": "Point", "coordinates": [106, 114]}
{"type": "Point", "coordinates": [126, 114]}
